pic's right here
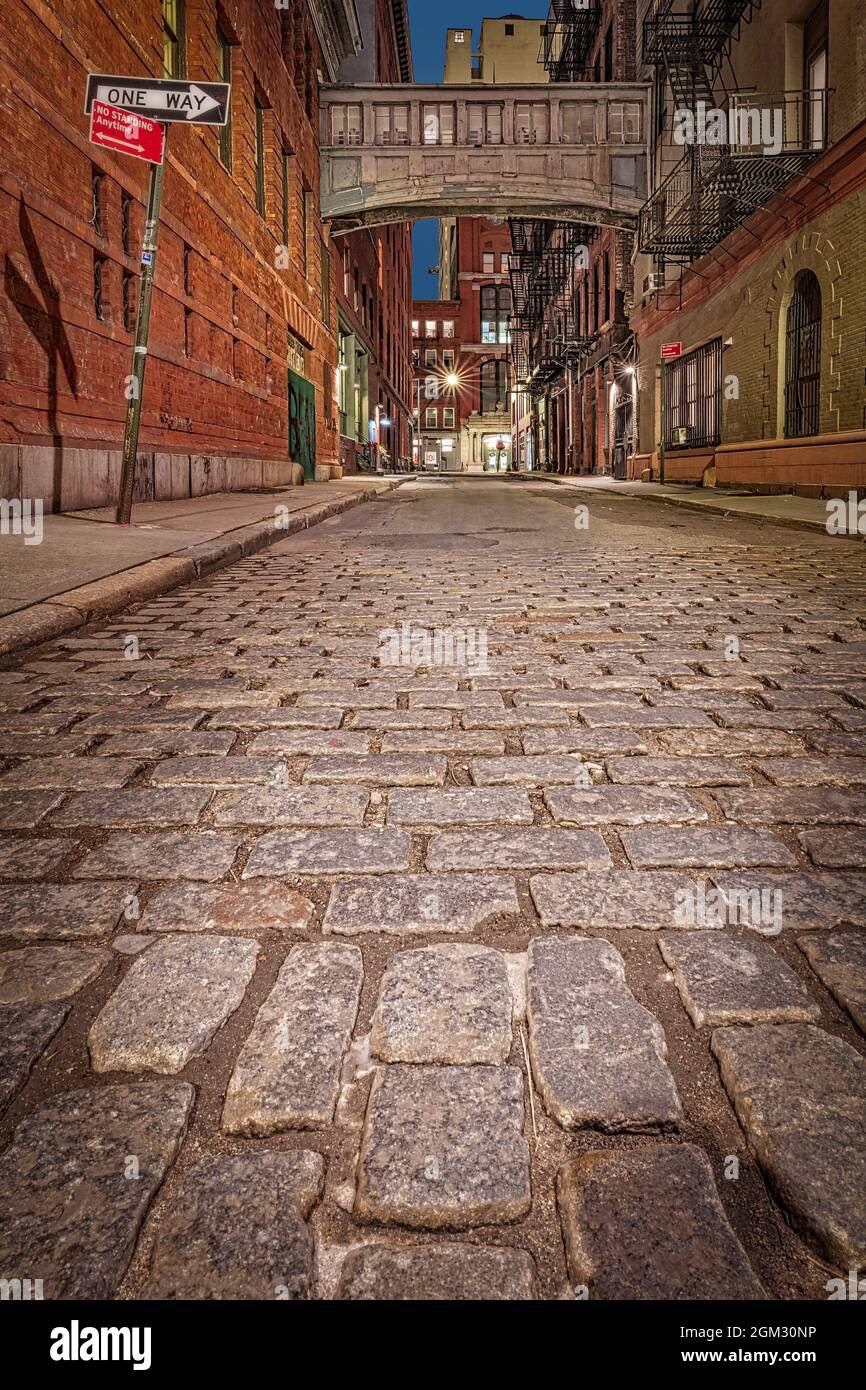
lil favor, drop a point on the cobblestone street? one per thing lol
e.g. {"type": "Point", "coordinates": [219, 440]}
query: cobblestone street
{"type": "Point", "coordinates": [525, 962]}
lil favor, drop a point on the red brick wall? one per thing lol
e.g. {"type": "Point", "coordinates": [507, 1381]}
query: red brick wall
{"type": "Point", "coordinates": [216, 381]}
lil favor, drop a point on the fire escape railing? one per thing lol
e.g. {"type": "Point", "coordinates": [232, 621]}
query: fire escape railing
{"type": "Point", "coordinates": [740, 149]}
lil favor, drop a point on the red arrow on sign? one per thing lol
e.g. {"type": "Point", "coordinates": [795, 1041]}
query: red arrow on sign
{"type": "Point", "coordinates": [127, 132]}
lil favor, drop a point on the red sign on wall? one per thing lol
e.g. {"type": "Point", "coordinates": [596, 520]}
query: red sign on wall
{"type": "Point", "coordinates": [127, 133]}
{"type": "Point", "coordinates": [670, 350]}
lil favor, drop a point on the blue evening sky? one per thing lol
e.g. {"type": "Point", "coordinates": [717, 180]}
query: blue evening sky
{"type": "Point", "coordinates": [429, 19]}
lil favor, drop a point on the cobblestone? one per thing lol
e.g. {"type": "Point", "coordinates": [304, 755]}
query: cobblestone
{"type": "Point", "coordinates": [70, 1209]}
{"type": "Point", "coordinates": [598, 1057]}
{"type": "Point", "coordinates": [41, 974]}
{"type": "Point", "coordinates": [726, 980]}
{"type": "Point", "coordinates": [800, 1095]}
{"type": "Point", "coordinates": [171, 1002]}
{"type": "Point", "coordinates": [839, 961]}
{"type": "Point", "coordinates": [442, 1273]}
{"type": "Point", "coordinates": [538, 848]}
{"type": "Point", "coordinates": [649, 1225]}
{"type": "Point", "coordinates": [287, 1075]}
{"type": "Point", "coordinates": [416, 904]}
{"type": "Point", "coordinates": [444, 1147]}
{"type": "Point", "coordinates": [622, 806]}
{"type": "Point", "coordinates": [447, 1003]}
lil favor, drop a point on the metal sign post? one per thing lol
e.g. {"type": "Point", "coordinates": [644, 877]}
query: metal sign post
{"type": "Point", "coordinates": [135, 383]}
{"type": "Point", "coordinates": [153, 102]}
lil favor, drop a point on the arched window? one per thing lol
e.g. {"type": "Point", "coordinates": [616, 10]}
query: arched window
{"type": "Point", "coordinates": [494, 386]}
{"type": "Point", "coordinates": [803, 357]}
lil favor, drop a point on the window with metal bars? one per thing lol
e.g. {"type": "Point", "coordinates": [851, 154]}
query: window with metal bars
{"type": "Point", "coordinates": [129, 301]}
{"type": "Point", "coordinates": [803, 358]}
{"type": "Point", "coordinates": [97, 180]}
{"type": "Point", "coordinates": [259, 157]}
{"type": "Point", "coordinates": [693, 398]}
{"type": "Point", "coordinates": [100, 303]}
{"type": "Point", "coordinates": [126, 223]}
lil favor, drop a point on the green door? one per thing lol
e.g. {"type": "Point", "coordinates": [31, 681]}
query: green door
{"type": "Point", "coordinates": [302, 423]}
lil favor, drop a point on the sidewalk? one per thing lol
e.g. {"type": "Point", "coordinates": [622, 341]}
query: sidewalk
{"type": "Point", "coordinates": [782, 509]}
{"type": "Point", "coordinates": [86, 566]}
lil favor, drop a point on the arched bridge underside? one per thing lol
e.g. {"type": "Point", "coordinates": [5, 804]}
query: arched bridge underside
{"type": "Point", "coordinates": [574, 152]}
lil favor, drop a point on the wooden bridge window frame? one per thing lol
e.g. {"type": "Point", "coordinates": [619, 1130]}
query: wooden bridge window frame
{"type": "Point", "coordinates": [391, 123]}
{"type": "Point", "coordinates": [527, 115]}
{"type": "Point", "coordinates": [346, 120]}
{"type": "Point", "coordinates": [438, 123]}
{"type": "Point", "coordinates": [487, 118]}
{"type": "Point", "coordinates": [577, 122]}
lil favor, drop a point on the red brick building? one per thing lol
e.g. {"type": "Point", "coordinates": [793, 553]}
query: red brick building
{"type": "Point", "coordinates": [438, 403]}
{"type": "Point", "coordinates": [373, 272]}
{"type": "Point", "coordinates": [243, 346]}
{"type": "Point", "coordinates": [473, 277]}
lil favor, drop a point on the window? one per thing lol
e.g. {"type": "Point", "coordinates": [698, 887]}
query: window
{"type": "Point", "coordinates": [448, 417]}
{"type": "Point", "coordinates": [346, 124]}
{"type": "Point", "coordinates": [126, 222]}
{"type": "Point", "coordinates": [484, 123]}
{"type": "Point", "coordinates": [431, 388]}
{"type": "Point", "coordinates": [488, 262]}
{"type": "Point", "coordinates": [495, 314]}
{"type": "Point", "coordinates": [129, 301]}
{"type": "Point", "coordinates": [224, 69]}
{"type": "Point", "coordinates": [100, 273]}
{"type": "Point", "coordinates": [459, 36]}
{"type": "Point", "coordinates": [448, 359]}
{"type": "Point", "coordinates": [494, 386]}
{"type": "Point", "coordinates": [391, 124]}
{"type": "Point", "coordinates": [437, 123]}
{"type": "Point", "coordinates": [608, 54]}
{"type": "Point", "coordinates": [430, 328]}
{"type": "Point", "coordinates": [815, 77]}
{"type": "Point", "coordinates": [325, 270]}
{"type": "Point", "coordinates": [577, 122]}
{"type": "Point", "coordinates": [259, 156]}
{"type": "Point", "coordinates": [431, 417]}
{"type": "Point", "coordinates": [624, 122]}
{"type": "Point", "coordinates": [504, 262]}
{"type": "Point", "coordinates": [286, 170]}
{"type": "Point", "coordinates": [187, 332]}
{"type": "Point", "coordinates": [693, 397]}
{"type": "Point", "coordinates": [803, 358]}
{"type": "Point", "coordinates": [430, 357]}
{"type": "Point", "coordinates": [447, 328]}
{"type": "Point", "coordinates": [530, 122]}
{"type": "Point", "coordinates": [97, 181]}
{"type": "Point", "coordinates": [509, 31]}
{"type": "Point", "coordinates": [173, 38]}
{"type": "Point", "coordinates": [416, 328]}
{"type": "Point", "coordinates": [308, 224]}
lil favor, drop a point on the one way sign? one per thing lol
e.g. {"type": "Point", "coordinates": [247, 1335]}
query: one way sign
{"type": "Point", "coordinates": [162, 99]}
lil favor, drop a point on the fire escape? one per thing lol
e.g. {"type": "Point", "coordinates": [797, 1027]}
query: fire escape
{"type": "Point", "coordinates": [545, 334]}
{"type": "Point", "coordinates": [544, 329]}
{"type": "Point", "coordinates": [715, 187]}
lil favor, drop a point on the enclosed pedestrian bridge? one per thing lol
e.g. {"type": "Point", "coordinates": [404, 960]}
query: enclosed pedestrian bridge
{"type": "Point", "coordinates": [574, 152]}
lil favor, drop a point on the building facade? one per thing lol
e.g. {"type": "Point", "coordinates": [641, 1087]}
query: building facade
{"type": "Point", "coordinates": [438, 401]}
{"type": "Point", "coordinates": [373, 274]}
{"type": "Point", "coordinates": [573, 351]}
{"type": "Point", "coordinates": [750, 255]}
{"type": "Point", "coordinates": [241, 380]}
{"type": "Point", "coordinates": [474, 251]}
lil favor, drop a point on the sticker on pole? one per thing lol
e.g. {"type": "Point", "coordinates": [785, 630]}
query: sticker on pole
{"type": "Point", "coordinates": [162, 99]}
{"type": "Point", "coordinates": [671, 350]}
{"type": "Point", "coordinates": [127, 133]}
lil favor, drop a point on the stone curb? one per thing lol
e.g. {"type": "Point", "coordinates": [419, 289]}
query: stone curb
{"type": "Point", "coordinates": [41, 622]}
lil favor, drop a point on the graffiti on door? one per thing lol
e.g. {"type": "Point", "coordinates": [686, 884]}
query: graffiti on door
{"type": "Point", "coordinates": [302, 423]}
